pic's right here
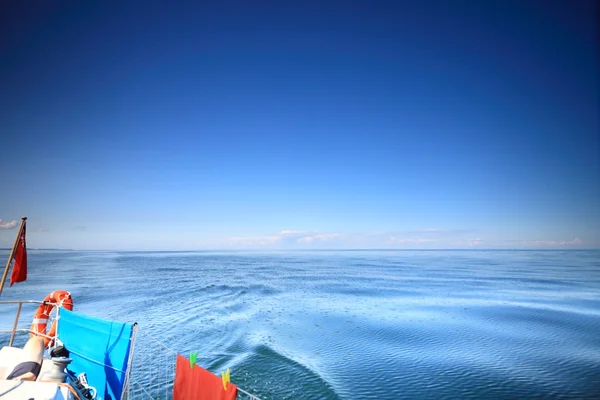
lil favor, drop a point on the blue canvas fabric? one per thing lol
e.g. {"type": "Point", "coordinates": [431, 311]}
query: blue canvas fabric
{"type": "Point", "coordinates": [98, 347]}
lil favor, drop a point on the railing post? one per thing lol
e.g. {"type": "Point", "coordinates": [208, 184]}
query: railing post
{"type": "Point", "coordinates": [12, 335]}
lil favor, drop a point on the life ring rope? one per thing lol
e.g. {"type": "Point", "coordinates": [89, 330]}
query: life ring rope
{"type": "Point", "coordinates": [56, 299]}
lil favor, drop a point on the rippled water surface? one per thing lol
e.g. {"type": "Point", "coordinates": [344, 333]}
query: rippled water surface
{"type": "Point", "coordinates": [342, 325]}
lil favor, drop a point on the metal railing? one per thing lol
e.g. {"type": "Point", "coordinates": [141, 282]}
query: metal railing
{"type": "Point", "coordinates": [154, 380]}
{"type": "Point", "coordinates": [14, 329]}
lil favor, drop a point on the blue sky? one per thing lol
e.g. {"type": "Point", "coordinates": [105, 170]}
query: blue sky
{"type": "Point", "coordinates": [442, 124]}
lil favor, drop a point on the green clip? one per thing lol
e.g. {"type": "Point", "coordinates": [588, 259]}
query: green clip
{"type": "Point", "coordinates": [193, 357]}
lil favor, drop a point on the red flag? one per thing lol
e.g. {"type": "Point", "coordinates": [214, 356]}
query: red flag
{"type": "Point", "coordinates": [19, 272]}
{"type": "Point", "coordinates": [199, 384]}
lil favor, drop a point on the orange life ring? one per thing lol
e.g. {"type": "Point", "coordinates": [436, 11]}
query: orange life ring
{"type": "Point", "coordinates": [58, 298]}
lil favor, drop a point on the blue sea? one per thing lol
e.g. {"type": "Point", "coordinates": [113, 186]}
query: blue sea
{"type": "Point", "coordinates": [347, 324]}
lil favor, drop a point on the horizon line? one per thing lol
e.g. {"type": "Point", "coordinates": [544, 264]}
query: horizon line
{"type": "Point", "coordinates": [315, 249]}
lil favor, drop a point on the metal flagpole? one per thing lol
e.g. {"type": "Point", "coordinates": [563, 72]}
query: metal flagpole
{"type": "Point", "coordinates": [12, 253]}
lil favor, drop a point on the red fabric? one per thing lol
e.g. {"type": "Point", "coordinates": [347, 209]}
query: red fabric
{"type": "Point", "coordinates": [19, 272]}
{"type": "Point", "coordinates": [199, 384]}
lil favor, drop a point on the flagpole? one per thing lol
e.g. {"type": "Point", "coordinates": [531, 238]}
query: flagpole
{"type": "Point", "coordinates": [12, 253]}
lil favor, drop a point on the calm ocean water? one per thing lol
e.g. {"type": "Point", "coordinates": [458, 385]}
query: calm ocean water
{"type": "Point", "coordinates": [355, 324]}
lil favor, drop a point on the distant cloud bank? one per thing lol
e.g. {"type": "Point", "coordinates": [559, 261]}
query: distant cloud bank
{"type": "Point", "coordinates": [575, 241]}
{"type": "Point", "coordinates": [285, 237]}
{"type": "Point", "coordinates": [7, 225]}
{"type": "Point", "coordinates": [425, 238]}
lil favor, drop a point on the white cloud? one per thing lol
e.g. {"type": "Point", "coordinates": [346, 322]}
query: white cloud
{"type": "Point", "coordinates": [409, 240]}
{"type": "Point", "coordinates": [437, 232]}
{"type": "Point", "coordinates": [325, 237]}
{"type": "Point", "coordinates": [284, 238]}
{"type": "Point", "coordinates": [575, 241]}
{"type": "Point", "coordinates": [427, 237]}
{"type": "Point", "coordinates": [270, 240]}
{"type": "Point", "coordinates": [476, 241]}
{"type": "Point", "coordinates": [254, 241]}
{"type": "Point", "coordinates": [7, 225]}
{"type": "Point", "coordinates": [288, 232]}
